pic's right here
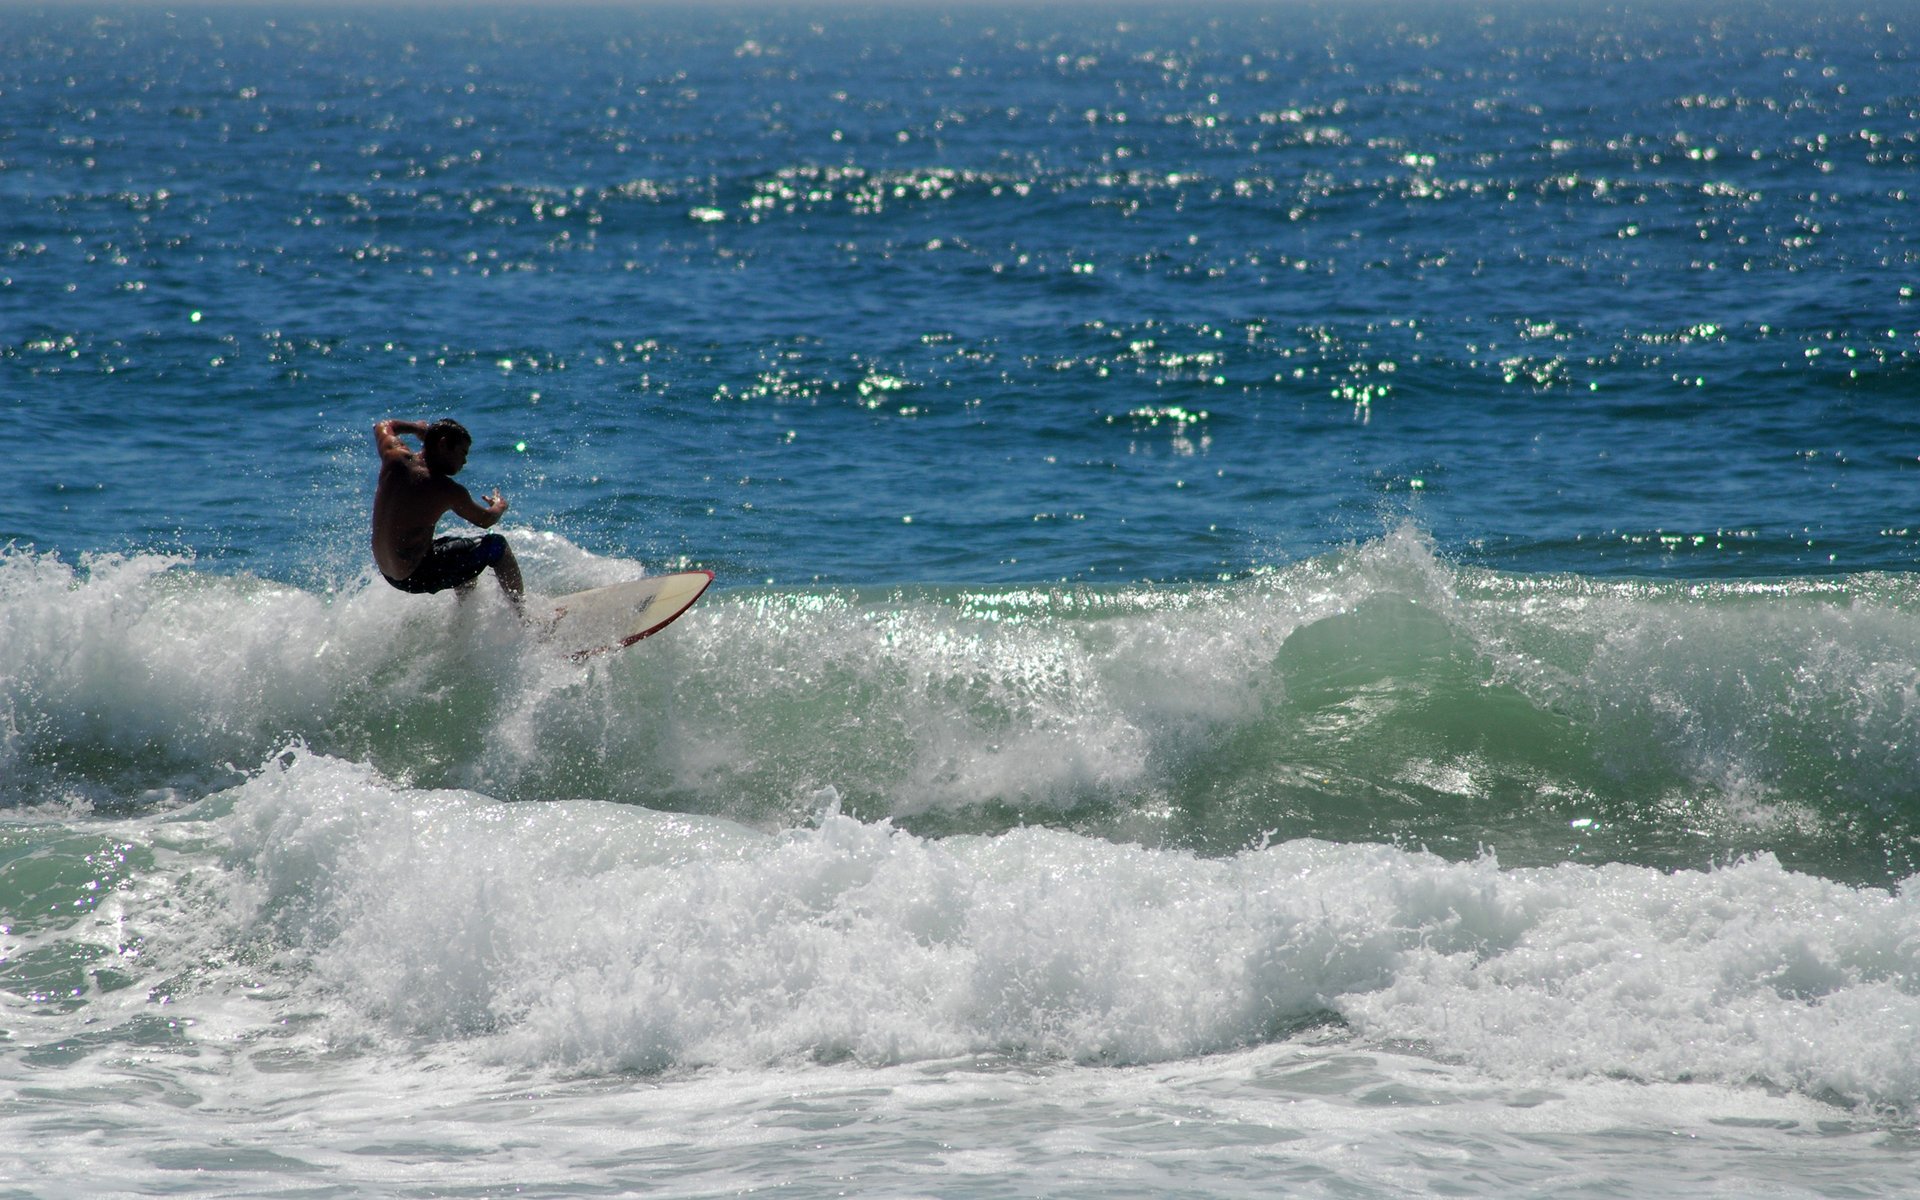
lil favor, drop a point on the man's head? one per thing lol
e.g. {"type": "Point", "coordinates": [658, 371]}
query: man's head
{"type": "Point", "coordinates": [445, 447]}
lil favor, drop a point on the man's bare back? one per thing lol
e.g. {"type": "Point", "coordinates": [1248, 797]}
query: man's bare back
{"type": "Point", "coordinates": [415, 490]}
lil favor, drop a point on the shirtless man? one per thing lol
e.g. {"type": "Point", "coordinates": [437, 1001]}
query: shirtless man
{"type": "Point", "coordinates": [415, 490]}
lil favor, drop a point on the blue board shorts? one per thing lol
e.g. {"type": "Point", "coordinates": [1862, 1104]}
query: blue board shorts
{"type": "Point", "coordinates": [452, 562]}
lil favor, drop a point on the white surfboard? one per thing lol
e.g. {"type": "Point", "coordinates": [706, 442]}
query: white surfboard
{"type": "Point", "coordinates": [620, 614]}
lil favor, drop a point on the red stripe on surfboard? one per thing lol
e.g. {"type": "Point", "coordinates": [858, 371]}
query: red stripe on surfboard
{"type": "Point", "coordinates": [647, 633]}
{"type": "Point", "coordinates": [581, 655]}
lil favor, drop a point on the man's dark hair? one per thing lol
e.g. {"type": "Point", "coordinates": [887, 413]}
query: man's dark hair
{"type": "Point", "coordinates": [447, 433]}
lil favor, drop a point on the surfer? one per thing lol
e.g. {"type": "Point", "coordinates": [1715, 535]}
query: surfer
{"type": "Point", "coordinates": [415, 491]}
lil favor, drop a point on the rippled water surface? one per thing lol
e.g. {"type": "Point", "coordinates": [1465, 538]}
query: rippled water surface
{"type": "Point", "coordinates": [1311, 599]}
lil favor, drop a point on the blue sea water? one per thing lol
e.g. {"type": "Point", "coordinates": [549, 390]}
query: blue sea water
{"type": "Point", "coordinates": [1312, 599]}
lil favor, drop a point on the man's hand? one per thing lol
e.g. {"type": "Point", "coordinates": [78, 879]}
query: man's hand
{"type": "Point", "coordinates": [386, 438]}
{"type": "Point", "coordinates": [497, 504]}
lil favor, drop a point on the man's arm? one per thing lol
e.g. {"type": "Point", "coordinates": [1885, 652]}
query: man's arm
{"type": "Point", "coordinates": [487, 516]}
{"type": "Point", "coordinates": [387, 434]}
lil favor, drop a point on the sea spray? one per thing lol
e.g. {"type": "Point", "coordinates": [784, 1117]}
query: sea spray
{"type": "Point", "coordinates": [590, 937]}
{"type": "Point", "coordinates": [1380, 693]}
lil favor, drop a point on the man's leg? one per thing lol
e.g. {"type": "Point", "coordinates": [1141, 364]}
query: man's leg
{"type": "Point", "coordinates": [466, 559]}
{"type": "Point", "coordinates": [506, 569]}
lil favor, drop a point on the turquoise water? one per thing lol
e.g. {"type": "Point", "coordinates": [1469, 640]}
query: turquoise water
{"type": "Point", "coordinates": [1311, 600]}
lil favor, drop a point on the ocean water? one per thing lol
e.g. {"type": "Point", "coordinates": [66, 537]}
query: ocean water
{"type": "Point", "coordinates": [1313, 599]}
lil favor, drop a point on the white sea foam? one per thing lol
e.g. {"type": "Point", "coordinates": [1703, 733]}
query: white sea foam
{"type": "Point", "coordinates": [593, 936]}
{"type": "Point", "coordinates": [1298, 696]}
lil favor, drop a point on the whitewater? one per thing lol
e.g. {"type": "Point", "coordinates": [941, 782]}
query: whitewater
{"type": "Point", "coordinates": [946, 885]}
